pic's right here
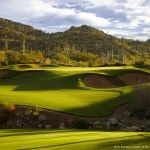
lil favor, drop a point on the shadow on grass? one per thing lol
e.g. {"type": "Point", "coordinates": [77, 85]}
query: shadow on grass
{"type": "Point", "coordinates": [104, 108]}
{"type": "Point", "coordinates": [30, 132]}
{"type": "Point", "coordinates": [127, 143]}
{"type": "Point", "coordinates": [55, 136]}
{"type": "Point", "coordinates": [38, 80]}
{"type": "Point", "coordinates": [104, 145]}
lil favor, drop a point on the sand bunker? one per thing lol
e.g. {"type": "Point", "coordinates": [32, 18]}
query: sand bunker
{"type": "Point", "coordinates": [98, 81]}
{"type": "Point", "coordinates": [135, 78]}
{"type": "Point", "coordinates": [3, 73]}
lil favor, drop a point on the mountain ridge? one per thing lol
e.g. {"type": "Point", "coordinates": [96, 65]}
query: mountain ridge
{"type": "Point", "coordinates": [82, 38]}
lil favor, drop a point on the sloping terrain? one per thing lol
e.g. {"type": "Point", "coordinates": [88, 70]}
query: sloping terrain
{"type": "Point", "coordinates": [61, 89]}
{"type": "Point", "coordinates": [81, 38]}
{"type": "Point", "coordinates": [97, 81]}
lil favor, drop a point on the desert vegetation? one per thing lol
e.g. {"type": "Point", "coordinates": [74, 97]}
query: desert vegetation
{"type": "Point", "coordinates": [65, 90]}
{"type": "Point", "coordinates": [79, 46]}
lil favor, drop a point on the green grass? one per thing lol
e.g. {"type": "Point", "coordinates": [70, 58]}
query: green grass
{"type": "Point", "coordinates": [60, 89]}
{"type": "Point", "coordinates": [70, 140]}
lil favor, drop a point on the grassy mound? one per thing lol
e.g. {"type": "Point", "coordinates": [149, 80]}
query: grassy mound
{"type": "Point", "coordinates": [61, 89]}
{"type": "Point", "coordinates": [71, 139]}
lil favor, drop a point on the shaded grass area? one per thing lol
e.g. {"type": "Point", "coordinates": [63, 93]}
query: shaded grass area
{"type": "Point", "coordinates": [70, 139]}
{"type": "Point", "coordinates": [103, 108]}
{"type": "Point", "coordinates": [61, 89]}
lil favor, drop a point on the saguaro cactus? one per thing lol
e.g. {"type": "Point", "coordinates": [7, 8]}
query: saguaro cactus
{"type": "Point", "coordinates": [6, 44]}
{"type": "Point", "coordinates": [23, 45]}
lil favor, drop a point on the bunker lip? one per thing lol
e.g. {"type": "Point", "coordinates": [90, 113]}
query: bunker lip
{"type": "Point", "coordinates": [135, 78]}
{"type": "Point", "coordinates": [98, 81]}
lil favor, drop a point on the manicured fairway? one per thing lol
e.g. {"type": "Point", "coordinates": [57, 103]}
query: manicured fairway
{"type": "Point", "coordinates": [71, 140]}
{"type": "Point", "coordinates": [61, 89]}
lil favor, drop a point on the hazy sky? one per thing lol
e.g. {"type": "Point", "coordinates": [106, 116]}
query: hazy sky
{"type": "Point", "coordinates": [127, 18]}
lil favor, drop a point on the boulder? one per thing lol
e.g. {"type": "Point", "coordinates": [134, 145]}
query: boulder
{"type": "Point", "coordinates": [146, 127]}
{"type": "Point", "coordinates": [19, 114]}
{"type": "Point", "coordinates": [19, 123]}
{"type": "Point", "coordinates": [113, 121]}
{"type": "Point", "coordinates": [28, 112]}
{"type": "Point", "coordinates": [96, 123]}
{"type": "Point", "coordinates": [133, 128]}
{"type": "Point", "coordinates": [9, 123]}
{"type": "Point", "coordinates": [42, 117]}
{"type": "Point", "coordinates": [48, 126]}
{"type": "Point", "coordinates": [39, 125]}
{"type": "Point", "coordinates": [62, 125]}
{"type": "Point", "coordinates": [107, 125]}
{"type": "Point", "coordinates": [147, 114]}
{"type": "Point", "coordinates": [121, 125]}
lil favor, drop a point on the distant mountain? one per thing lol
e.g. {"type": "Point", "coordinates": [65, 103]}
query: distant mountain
{"type": "Point", "coordinates": [83, 38]}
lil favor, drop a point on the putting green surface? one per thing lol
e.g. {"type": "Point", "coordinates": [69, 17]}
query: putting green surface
{"type": "Point", "coordinates": [61, 89]}
{"type": "Point", "coordinates": [72, 140]}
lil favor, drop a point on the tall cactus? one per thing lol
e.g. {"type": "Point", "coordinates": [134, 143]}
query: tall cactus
{"type": "Point", "coordinates": [6, 44]}
{"type": "Point", "coordinates": [24, 45]}
{"type": "Point", "coordinates": [121, 53]}
{"type": "Point", "coordinates": [66, 53]}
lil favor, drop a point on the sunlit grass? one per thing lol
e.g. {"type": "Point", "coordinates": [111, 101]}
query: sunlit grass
{"type": "Point", "coordinates": [59, 89]}
{"type": "Point", "coordinates": [69, 139]}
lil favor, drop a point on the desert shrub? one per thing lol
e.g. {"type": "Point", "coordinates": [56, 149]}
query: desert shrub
{"type": "Point", "coordinates": [3, 58]}
{"type": "Point", "coordinates": [83, 57]}
{"type": "Point", "coordinates": [61, 58]}
{"type": "Point", "coordinates": [5, 112]}
{"type": "Point", "coordinates": [3, 117]}
{"type": "Point", "coordinates": [138, 63]}
{"type": "Point", "coordinates": [141, 101]}
{"type": "Point", "coordinates": [10, 107]}
{"type": "Point", "coordinates": [37, 110]}
{"type": "Point", "coordinates": [79, 123]}
{"type": "Point", "coordinates": [100, 127]}
{"type": "Point", "coordinates": [47, 61]}
{"type": "Point", "coordinates": [24, 66]}
{"type": "Point", "coordinates": [83, 64]}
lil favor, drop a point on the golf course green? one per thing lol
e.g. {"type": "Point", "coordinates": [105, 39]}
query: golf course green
{"type": "Point", "coordinates": [75, 91]}
{"type": "Point", "coordinates": [62, 89]}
